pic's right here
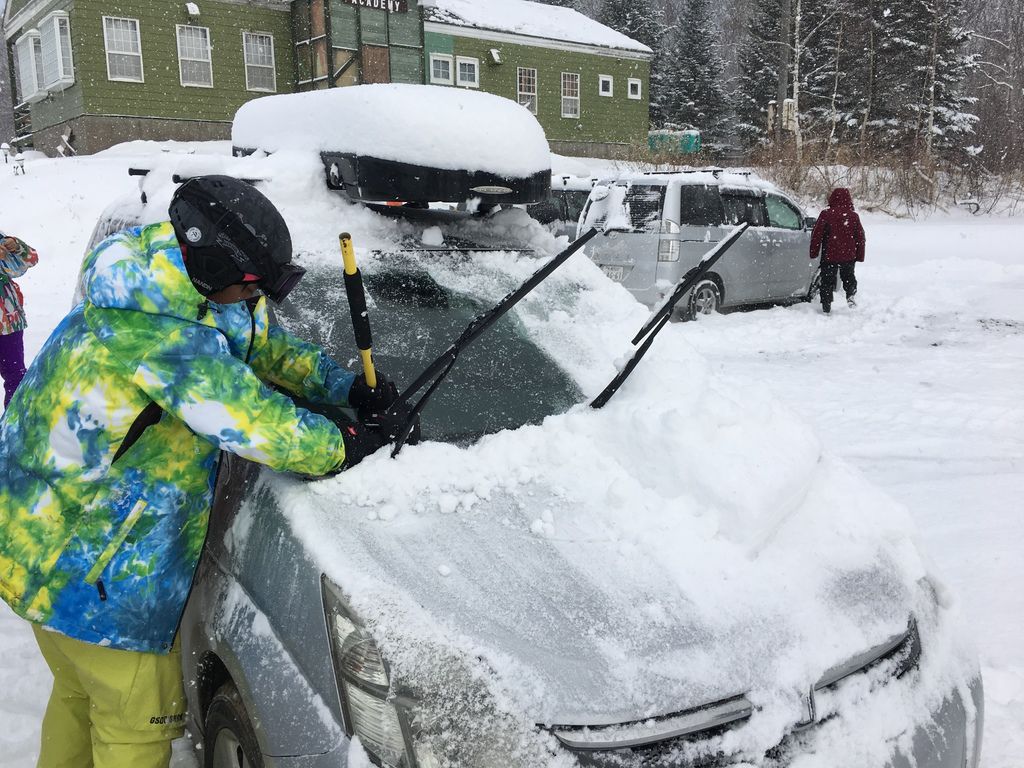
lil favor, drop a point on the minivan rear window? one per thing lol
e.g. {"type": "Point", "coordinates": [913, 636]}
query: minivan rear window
{"type": "Point", "coordinates": [699, 205]}
{"type": "Point", "coordinates": [644, 203]}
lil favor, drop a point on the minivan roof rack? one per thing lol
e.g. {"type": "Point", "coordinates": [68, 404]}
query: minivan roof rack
{"type": "Point", "coordinates": [715, 170]}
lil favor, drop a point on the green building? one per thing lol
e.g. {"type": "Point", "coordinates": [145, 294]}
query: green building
{"type": "Point", "coordinates": [587, 84]}
{"type": "Point", "coordinates": [92, 73]}
{"type": "Point", "coordinates": [348, 42]}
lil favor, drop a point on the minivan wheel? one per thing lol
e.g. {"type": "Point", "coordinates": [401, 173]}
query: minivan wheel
{"type": "Point", "coordinates": [705, 298]}
{"type": "Point", "coordinates": [230, 738]}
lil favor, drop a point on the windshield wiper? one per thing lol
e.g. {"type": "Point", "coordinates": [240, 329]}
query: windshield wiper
{"type": "Point", "coordinates": [661, 315]}
{"type": "Point", "coordinates": [436, 372]}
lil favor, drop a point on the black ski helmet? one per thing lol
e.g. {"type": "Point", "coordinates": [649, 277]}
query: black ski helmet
{"type": "Point", "coordinates": [233, 234]}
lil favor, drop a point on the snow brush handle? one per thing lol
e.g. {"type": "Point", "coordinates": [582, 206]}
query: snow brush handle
{"type": "Point", "coordinates": [357, 305]}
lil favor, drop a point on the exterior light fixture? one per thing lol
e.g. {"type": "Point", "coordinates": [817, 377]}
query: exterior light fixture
{"type": "Point", "coordinates": [495, 55]}
{"type": "Point", "coordinates": [192, 9]}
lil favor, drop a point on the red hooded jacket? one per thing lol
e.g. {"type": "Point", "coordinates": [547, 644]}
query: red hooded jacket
{"type": "Point", "coordinates": [838, 234]}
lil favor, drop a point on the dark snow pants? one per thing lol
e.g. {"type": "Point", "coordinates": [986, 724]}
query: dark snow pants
{"type": "Point", "coordinates": [12, 362]}
{"type": "Point", "coordinates": [828, 280]}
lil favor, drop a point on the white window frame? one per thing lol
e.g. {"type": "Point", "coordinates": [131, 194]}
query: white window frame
{"type": "Point", "coordinates": [107, 51]}
{"type": "Point", "coordinates": [451, 69]}
{"type": "Point", "coordinates": [475, 82]}
{"type": "Point", "coordinates": [182, 59]}
{"type": "Point", "coordinates": [272, 66]}
{"type": "Point", "coordinates": [569, 77]}
{"type": "Point", "coordinates": [521, 93]}
{"type": "Point", "coordinates": [50, 32]}
{"type": "Point", "coordinates": [26, 48]}
{"type": "Point", "coordinates": [601, 80]}
{"type": "Point", "coordinates": [639, 88]}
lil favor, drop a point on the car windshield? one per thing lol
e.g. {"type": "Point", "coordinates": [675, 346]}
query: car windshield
{"type": "Point", "coordinates": [502, 381]}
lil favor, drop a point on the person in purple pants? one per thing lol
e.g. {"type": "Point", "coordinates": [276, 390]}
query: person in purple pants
{"type": "Point", "coordinates": [16, 257]}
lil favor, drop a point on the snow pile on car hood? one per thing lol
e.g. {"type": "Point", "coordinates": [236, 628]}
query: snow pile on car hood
{"type": "Point", "coordinates": [448, 128]}
{"type": "Point", "coordinates": [689, 542]}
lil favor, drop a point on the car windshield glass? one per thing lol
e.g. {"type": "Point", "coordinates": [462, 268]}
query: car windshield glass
{"type": "Point", "coordinates": [501, 381]}
{"type": "Point", "coordinates": [575, 200]}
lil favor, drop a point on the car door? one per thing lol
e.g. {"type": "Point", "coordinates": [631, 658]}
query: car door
{"type": "Point", "coordinates": [746, 269]}
{"type": "Point", "coordinates": [789, 242]}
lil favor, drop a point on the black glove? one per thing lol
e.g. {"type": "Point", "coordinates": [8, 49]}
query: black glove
{"type": "Point", "coordinates": [390, 422]}
{"type": "Point", "coordinates": [376, 400]}
{"type": "Point", "coordinates": [360, 442]}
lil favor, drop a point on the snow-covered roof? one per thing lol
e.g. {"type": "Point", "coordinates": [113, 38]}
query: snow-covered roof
{"type": "Point", "coordinates": [521, 17]}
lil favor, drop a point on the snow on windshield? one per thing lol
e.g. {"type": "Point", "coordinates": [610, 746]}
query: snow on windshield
{"type": "Point", "coordinates": [690, 541]}
{"type": "Point", "coordinates": [450, 128]}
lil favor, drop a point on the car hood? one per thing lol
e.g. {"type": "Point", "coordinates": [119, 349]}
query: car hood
{"type": "Point", "coordinates": [603, 577]}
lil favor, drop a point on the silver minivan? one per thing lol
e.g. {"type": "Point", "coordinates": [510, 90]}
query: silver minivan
{"type": "Point", "coordinates": [670, 220]}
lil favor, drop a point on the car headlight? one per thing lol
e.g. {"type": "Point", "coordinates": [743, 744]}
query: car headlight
{"type": "Point", "coordinates": [371, 710]}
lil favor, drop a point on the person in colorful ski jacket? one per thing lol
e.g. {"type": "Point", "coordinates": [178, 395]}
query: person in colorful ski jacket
{"type": "Point", "coordinates": [16, 257]}
{"type": "Point", "coordinates": [109, 455]}
{"type": "Point", "coordinates": [838, 237]}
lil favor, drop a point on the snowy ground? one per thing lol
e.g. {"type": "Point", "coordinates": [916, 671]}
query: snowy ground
{"type": "Point", "coordinates": [919, 387]}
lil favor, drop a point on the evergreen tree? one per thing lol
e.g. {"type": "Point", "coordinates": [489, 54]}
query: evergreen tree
{"type": "Point", "coordinates": [759, 70]}
{"type": "Point", "coordinates": [640, 21]}
{"type": "Point", "coordinates": [693, 93]}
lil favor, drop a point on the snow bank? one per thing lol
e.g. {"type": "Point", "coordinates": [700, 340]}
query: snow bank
{"type": "Point", "coordinates": [520, 17]}
{"type": "Point", "coordinates": [419, 124]}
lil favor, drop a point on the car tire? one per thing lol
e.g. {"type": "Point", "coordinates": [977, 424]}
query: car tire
{"type": "Point", "coordinates": [230, 737]}
{"type": "Point", "coordinates": [815, 286]}
{"type": "Point", "coordinates": [705, 299]}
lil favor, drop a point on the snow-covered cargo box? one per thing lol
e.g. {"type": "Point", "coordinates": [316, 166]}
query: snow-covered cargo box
{"type": "Point", "coordinates": [408, 143]}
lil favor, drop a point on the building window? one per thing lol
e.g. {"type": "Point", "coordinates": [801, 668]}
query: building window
{"type": "Point", "coordinates": [260, 69]}
{"type": "Point", "coordinates": [527, 88]}
{"type": "Point", "coordinates": [28, 61]}
{"type": "Point", "coordinates": [124, 49]}
{"type": "Point", "coordinates": [606, 85]}
{"type": "Point", "coordinates": [194, 62]}
{"type": "Point", "coordinates": [58, 69]}
{"type": "Point", "coordinates": [635, 88]}
{"type": "Point", "coordinates": [441, 69]}
{"type": "Point", "coordinates": [468, 71]}
{"type": "Point", "coordinates": [570, 94]}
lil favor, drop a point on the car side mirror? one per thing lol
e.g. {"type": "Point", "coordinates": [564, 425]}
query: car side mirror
{"type": "Point", "coordinates": [810, 221]}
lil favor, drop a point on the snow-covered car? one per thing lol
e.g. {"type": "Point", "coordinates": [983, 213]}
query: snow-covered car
{"type": "Point", "coordinates": [406, 143]}
{"type": "Point", "coordinates": [564, 204]}
{"type": "Point", "coordinates": [684, 580]}
{"type": "Point", "coordinates": [668, 221]}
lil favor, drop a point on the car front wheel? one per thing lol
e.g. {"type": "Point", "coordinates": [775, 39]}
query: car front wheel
{"type": "Point", "coordinates": [230, 738]}
{"type": "Point", "coordinates": [705, 298]}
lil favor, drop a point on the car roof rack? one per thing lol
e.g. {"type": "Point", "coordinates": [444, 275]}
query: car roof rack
{"type": "Point", "coordinates": [714, 170]}
{"type": "Point", "coordinates": [179, 179]}
{"type": "Point", "coordinates": [176, 178]}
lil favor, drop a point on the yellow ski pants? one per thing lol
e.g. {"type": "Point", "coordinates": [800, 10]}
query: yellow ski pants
{"type": "Point", "coordinates": [109, 708]}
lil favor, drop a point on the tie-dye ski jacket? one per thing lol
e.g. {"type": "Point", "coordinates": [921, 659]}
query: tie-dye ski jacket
{"type": "Point", "coordinates": [105, 551]}
{"type": "Point", "coordinates": [12, 304]}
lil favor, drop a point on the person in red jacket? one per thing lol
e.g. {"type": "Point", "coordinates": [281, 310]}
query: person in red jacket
{"type": "Point", "coordinates": [839, 237]}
